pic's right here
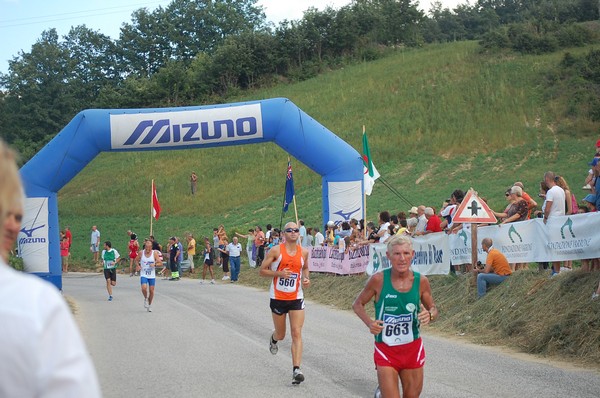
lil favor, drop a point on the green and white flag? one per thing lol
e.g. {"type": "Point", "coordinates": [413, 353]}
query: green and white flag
{"type": "Point", "coordinates": [370, 172]}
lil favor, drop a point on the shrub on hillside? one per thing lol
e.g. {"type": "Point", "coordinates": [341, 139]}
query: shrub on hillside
{"type": "Point", "coordinates": [529, 38]}
{"type": "Point", "coordinates": [577, 79]}
{"type": "Point", "coordinates": [573, 35]}
{"type": "Point", "coordinates": [495, 40]}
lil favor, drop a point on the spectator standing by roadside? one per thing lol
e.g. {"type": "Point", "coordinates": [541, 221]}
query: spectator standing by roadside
{"type": "Point", "coordinates": [518, 209]}
{"type": "Point", "coordinates": [594, 198]}
{"type": "Point", "coordinates": [259, 242]}
{"type": "Point", "coordinates": [174, 258]}
{"type": "Point", "coordinates": [589, 180]}
{"type": "Point", "coordinates": [496, 268]}
{"type": "Point", "coordinates": [433, 222]}
{"type": "Point", "coordinates": [421, 220]}
{"type": "Point", "coordinates": [372, 233]}
{"type": "Point", "coordinates": [180, 259]}
{"type": "Point", "coordinates": [208, 256]}
{"type": "Point", "coordinates": [531, 204]}
{"type": "Point", "coordinates": [384, 222]}
{"type": "Point", "coordinates": [64, 254]}
{"type": "Point", "coordinates": [193, 182]}
{"type": "Point", "coordinates": [223, 241]}
{"type": "Point", "coordinates": [309, 237]}
{"type": "Point", "coordinates": [319, 238]}
{"type": "Point", "coordinates": [555, 206]}
{"type": "Point", "coordinates": [413, 213]}
{"type": "Point", "coordinates": [156, 246]}
{"type": "Point", "coordinates": [134, 248]}
{"type": "Point", "coordinates": [234, 250]}
{"type": "Point", "coordinates": [249, 246]}
{"type": "Point", "coordinates": [191, 250]}
{"type": "Point", "coordinates": [215, 246]}
{"type": "Point", "coordinates": [302, 233]}
{"type": "Point", "coordinates": [571, 206]}
{"type": "Point", "coordinates": [355, 235]}
{"type": "Point", "coordinates": [224, 258]}
{"type": "Point", "coordinates": [110, 259]}
{"type": "Point", "coordinates": [403, 230]}
{"type": "Point", "coordinates": [95, 243]}
{"type": "Point", "coordinates": [330, 229]}
{"type": "Point", "coordinates": [69, 236]}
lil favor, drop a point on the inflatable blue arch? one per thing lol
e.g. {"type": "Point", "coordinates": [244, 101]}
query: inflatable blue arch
{"type": "Point", "coordinates": [119, 130]}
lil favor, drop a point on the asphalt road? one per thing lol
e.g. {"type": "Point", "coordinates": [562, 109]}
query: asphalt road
{"type": "Point", "coordinates": [212, 341]}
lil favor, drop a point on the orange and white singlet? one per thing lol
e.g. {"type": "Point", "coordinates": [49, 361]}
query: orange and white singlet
{"type": "Point", "coordinates": [290, 288]}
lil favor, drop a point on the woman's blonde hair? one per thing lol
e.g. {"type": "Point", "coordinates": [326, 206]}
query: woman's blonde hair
{"type": "Point", "coordinates": [11, 190]}
{"type": "Point", "coordinates": [561, 182]}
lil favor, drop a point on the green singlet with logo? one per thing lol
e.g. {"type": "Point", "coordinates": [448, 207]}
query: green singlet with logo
{"type": "Point", "coordinates": [109, 259]}
{"type": "Point", "coordinates": [398, 311]}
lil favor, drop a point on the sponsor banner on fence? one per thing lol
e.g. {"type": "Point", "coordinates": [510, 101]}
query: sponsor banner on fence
{"type": "Point", "coordinates": [32, 242]}
{"type": "Point", "coordinates": [573, 237]}
{"type": "Point", "coordinates": [432, 256]}
{"type": "Point", "coordinates": [329, 259]}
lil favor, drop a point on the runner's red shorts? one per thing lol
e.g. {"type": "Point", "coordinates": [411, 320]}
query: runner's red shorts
{"type": "Point", "coordinates": [405, 356]}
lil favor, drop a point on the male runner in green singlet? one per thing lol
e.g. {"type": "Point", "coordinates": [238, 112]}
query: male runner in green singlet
{"type": "Point", "coordinates": [403, 302]}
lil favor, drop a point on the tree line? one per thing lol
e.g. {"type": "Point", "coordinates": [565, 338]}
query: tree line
{"type": "Point", "coordinates": [206, 51]}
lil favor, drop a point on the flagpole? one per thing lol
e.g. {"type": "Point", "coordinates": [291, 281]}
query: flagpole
{"type": "Point", "coordinates": [296, 210]}
{"type": "Point", "coordinates": [294, 200]}
{"type": "Point", "coordinates": [151, 206]}
{"type": "Point", "coordinates": [364, 201]}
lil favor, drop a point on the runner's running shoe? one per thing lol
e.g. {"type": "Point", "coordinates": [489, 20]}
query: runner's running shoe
{"type": "Point", "coordinates": [377, 393]}
{"type": "Point", "coordinates": [273, 346]}
{"type": "Point", "coordinates": [297, 377]}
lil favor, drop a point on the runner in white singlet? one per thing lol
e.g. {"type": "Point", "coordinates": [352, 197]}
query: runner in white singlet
{"type": "Point", "coordinates": [148, 259]}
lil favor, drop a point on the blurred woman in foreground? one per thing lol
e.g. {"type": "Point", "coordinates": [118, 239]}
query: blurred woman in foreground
{"type": "Point", "coordinates": [42, 353]}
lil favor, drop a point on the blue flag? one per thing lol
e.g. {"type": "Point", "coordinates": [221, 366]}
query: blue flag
{"type": "Point", "coordinates": [289, 188]}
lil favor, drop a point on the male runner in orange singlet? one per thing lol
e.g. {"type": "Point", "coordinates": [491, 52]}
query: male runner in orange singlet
{"type": "Point", "coordinates": [287, 264]}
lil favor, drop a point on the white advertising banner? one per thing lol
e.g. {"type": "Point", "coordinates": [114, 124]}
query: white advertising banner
{"type": "Point", "coordinates": [32, 242]}
{"type": "Point", "coordinates": [432, 256]}
{"type": "Point", "coordinates": [573, 237]}
{"type": "Point", "coordinates": [193, 127]}
{"type": "Point", "coordinates": [345, 200]}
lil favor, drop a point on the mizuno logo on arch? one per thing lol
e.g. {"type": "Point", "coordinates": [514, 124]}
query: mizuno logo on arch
{"type": "Point", "coordinates": [186, 128]}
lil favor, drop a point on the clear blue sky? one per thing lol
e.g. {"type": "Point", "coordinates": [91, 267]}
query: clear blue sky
{"type": "Point", "coordinates": [23, 21]}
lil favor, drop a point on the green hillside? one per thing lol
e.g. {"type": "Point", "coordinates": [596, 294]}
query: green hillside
{"type": "Point", "coordinates": [438, 118]}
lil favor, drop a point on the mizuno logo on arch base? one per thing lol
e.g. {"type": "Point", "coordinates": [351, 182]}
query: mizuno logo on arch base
{"type": "Point", "coordinates": [186, 128]}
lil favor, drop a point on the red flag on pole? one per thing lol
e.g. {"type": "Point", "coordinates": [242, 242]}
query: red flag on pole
{"type": "Point", "coordinates": [155, 204]}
